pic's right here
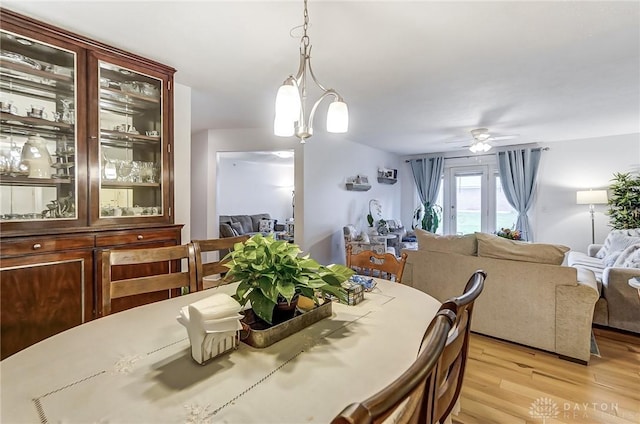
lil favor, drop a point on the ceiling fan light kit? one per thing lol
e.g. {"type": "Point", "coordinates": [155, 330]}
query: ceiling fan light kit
{"type": "Point", "coordinates": [480, 147]}
{"type": "Point", "coordinates": [291, 111]}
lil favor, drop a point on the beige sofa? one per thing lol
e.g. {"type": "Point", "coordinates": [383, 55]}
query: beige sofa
{"type": "Point", "coordinates": [614, 263]}
{"type": "Point", "coordinates": [528, 297]}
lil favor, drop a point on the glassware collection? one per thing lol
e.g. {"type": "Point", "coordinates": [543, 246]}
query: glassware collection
{"type": "Point", "coordinates": [37, 130]}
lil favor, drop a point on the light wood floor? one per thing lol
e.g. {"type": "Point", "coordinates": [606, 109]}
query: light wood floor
{"type": "Point", "coordinates": [504, 381]}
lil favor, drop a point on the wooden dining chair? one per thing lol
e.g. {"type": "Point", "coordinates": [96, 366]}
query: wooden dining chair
{"type": "Point", "coordinates": [373, 264]}
{"type": "Point", "coordinates": [167, 259]}
{"type": "Point", "coordinates": [408, 399]}
{"type": "Point", "coordinates": [454, 357]}
{"type": "Point", "coordinates": [203, 247]}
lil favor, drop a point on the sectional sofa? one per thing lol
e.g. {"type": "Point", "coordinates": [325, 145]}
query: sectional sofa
{"type": "Point", "coordinates": [528, 298]}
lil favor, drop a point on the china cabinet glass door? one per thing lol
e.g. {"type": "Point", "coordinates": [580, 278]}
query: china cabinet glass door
{"type": "Point", "coordinates": [130, 149]}
{"type": "Point", "coordinates": [39, 151]}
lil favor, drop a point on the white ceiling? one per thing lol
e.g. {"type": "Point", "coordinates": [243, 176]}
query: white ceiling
{"type": "Point", "coordinates": [417, 75]}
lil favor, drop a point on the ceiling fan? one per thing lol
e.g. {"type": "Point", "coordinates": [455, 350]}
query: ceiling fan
{"type": "Point", "coordinates": [482, 138]}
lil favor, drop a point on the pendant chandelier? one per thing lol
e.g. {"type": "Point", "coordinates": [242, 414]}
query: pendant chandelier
{"type": "Point", "coordinates": [292, 115]}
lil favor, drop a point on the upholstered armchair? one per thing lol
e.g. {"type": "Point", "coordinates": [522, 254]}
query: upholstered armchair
{"type": "Point", "coordinates": [360, 241]}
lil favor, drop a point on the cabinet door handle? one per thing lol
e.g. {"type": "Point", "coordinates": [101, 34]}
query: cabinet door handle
{"type": "Point", "coordinates": [140, 236]}
{"type": "Point", "coordinates": [37, 246]}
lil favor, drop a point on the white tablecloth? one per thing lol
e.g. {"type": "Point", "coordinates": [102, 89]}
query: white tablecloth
{"type": "Point", "coordinates": [135, 367]}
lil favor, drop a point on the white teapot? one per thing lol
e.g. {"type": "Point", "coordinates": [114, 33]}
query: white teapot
{"type": "Point", "coordinates": [36, 155]}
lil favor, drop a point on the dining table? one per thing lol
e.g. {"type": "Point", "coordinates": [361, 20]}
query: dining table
{"type": "Point", "coordinates": [135, 366]}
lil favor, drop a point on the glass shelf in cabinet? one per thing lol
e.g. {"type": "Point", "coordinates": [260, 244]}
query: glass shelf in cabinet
{"type": "Point", "coordinates": [126, 184]}
{"type": "Point", "coordinates": [23, 180]}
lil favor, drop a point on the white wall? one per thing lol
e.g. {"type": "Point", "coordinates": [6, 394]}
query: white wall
{"type": "Point", "coordinates": [248, 187]}
{"type": "Point", "coordinates": [569, 166]}
{"type": "Point", "coordinates": [182, 158]}
{"type": "Point", "coordinates": [328, 205]}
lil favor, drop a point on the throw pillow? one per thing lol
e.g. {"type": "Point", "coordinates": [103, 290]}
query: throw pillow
{"type": "Point", "coordinates": [464, 245]}
{"type": "Point", "coordinates": [226, 230]}
{"type": "Point", "coordinates": [237, 229]}
{"type": "Point", "coordinates": [492, 246]}
{"type": "Point", "coordinates": [615, 241]}
{"type": "Point", "coordinates": [629, 258]}
{"type": "Point", "coordinates": [266, 225]}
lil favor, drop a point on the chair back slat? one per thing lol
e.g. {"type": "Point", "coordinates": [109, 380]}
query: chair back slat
{"type": "Point", "coordinates": [454, 356]}
{"type": "Point", "coordinates": [171, 277]}
{"type": "Point", "coordinates": [373, 264]}
{"type": "Point", "coordinates": [139, 285]}
{"type": "Point", "coordinates": [410, 398]}
{"type": "Point", "coordinates": [222, 246]}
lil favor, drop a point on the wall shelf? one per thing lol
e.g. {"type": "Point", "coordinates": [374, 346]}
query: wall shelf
{"type": "Point", "coordinates": [387, 176]}
{"type": "Point", "coordinates": [383, 180]}
{"type": "Point", "coordinates": [358, 187]}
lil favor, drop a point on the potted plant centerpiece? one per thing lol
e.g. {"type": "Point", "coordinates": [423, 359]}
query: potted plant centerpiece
{"type": "Point", "coordinates": [270, 271]}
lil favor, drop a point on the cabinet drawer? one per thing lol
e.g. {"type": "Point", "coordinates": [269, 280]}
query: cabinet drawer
{"type": "Point", "coordinates": [136, 236]}
{"type": "Point", "coordinates": [44, 244]}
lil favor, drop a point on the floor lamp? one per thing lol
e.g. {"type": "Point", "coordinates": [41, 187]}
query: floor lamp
{"type": "Point", "coordinates": [591, 198]}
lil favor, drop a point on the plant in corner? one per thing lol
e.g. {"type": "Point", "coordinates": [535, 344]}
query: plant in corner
{"type": "Point", "coordinates": [624, 201]}
{"type": "Point", "coordinates": [268, 270]}
{"type": "Point", "coordinates": [427, 217]}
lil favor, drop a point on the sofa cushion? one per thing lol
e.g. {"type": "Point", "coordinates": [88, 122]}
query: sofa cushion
{"type": "Point", "coordinates": [492, 246]}
{"type": "Point", "coordinates": [617, 240]}
{"type": "Point", "coordinates": [255, 220]}
{"type": "Point", "coordinates": [463, 245]}
{"type": "Point", "coordinates": [226, 230]}
{"type": "Point", "coordinates": [245, 221]}
{"type": "Point", "coordinates": [237, 229]}
{"type": "Point", "coordinates": [629, 257]}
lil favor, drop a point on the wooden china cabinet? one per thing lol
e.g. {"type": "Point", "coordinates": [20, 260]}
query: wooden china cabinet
{"type": "Point", "coordinates": [86, 164]}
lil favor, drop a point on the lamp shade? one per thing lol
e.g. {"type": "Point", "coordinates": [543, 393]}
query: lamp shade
{"type": "Point", "coordinates": [288, 103]}
{"type": "Point", "coordinates": [591, 197]}
{"type": "Point", "coordinates": [338, 117]}
{"type": "Point", "coordinates": [283, 127]}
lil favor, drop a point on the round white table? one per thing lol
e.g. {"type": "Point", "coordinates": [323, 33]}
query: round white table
{"type": "Point", "coordinates": [136, 367]}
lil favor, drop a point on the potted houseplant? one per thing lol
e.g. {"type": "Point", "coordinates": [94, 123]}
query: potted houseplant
{"type": "Point", "coordinates": [270, 271]}
{"type": "Point", "coordinates": [427, 217]}
{"type": "Point", "coordinates": [624, 201]}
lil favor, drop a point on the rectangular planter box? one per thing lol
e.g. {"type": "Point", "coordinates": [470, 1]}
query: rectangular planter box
{"type": "Point", "coordinates": [260, 337]}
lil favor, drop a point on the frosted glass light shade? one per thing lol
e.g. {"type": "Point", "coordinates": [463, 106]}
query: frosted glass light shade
{"type": "Point", "coordinates": [591, 197]}
{"type": "Point", "coordinates": [338, 117]}
{"type": "Point", "coordinates": [288, 103]}
{"type": "Point", "coordinates": [480, 147]}
{"type": "Point", "coordinates": [283, 127]}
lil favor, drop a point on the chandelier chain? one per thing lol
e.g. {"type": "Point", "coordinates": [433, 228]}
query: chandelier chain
{"type": "Point", "coordinates": [305, 37]}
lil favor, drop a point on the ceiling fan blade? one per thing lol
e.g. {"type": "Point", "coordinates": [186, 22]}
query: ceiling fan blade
{"type": "Point", "coordinates": [503, 137]}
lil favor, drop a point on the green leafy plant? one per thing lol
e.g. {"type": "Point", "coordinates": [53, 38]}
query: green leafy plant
{"type": "Point", "coordinates": [624, 201]}
{"type": "Point", "coordinates": [427, 217]}
{"type": "Point", "coordinates": [268, 269]}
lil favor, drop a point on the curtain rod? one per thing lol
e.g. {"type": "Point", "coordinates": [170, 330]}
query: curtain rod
{"type": "Point", "coordinates": [472, 156]}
